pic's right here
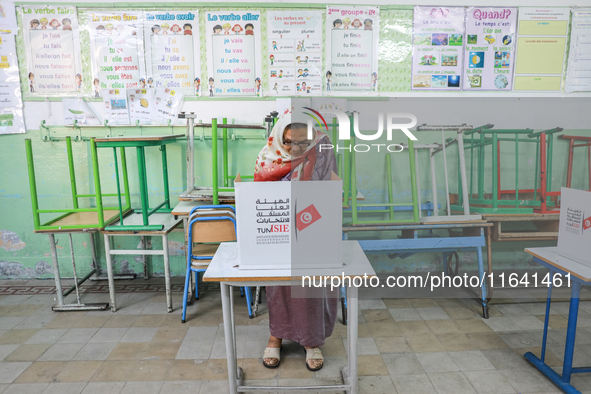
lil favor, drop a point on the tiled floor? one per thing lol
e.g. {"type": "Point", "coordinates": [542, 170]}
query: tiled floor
{"type": "Point", "coordinates": [406, 346]}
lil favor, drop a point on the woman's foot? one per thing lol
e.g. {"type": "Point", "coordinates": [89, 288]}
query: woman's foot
{"type": "Point", "coordinates": [314, 358]}
{"type": "Point", "coordinates": [274, 343]}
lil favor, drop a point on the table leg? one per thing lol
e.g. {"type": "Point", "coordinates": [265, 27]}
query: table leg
{"type": "Point", "coordinates": [167, 272]}
{"type": "Point", "coordinates": [145, 258]}
{"type": "Point", "coordinates": [483, 278]}
{"type": "Point", "coordinates": [110, 272]}
{"type": "Point", "coordinates": [56, 270]}
{"type": "Point", "coordinates": [191, 293]}
{"type": "Point", "coordinates": [141, 162]}
{"type": "Point", "coordinates": [230, 354]}
{"type": "Point", "coordinates": [352, 333]}
{"type": "Point", "coordinates": [571, 332]}
{"type": "Point", "coordinates": [489, 258]}
{"type": "Point", "coordinates": [546, 321]}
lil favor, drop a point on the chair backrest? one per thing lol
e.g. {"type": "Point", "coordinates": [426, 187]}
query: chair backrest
{"type": "Point", "coordinates": [211, 208]}
{"type": "Point", "coordinates": [213, 212]}
{"type": "Point", "coordinates": [212, 229]}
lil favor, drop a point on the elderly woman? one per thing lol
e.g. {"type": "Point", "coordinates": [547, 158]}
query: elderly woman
{"type": "Point", "coordinates": [290, 156]}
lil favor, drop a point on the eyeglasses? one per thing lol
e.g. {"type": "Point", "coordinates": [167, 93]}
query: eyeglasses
{"type": "Point", "coordinates": [301, 145]}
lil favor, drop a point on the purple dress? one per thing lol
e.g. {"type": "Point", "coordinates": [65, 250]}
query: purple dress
{"type": "Point", "coordinates": [307, 321]}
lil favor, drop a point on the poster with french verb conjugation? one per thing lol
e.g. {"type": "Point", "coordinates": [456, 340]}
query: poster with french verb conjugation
{"type": "Point", "coordinates": [233, 53]}
{"type": "Point", "coordinates": [352, 39]}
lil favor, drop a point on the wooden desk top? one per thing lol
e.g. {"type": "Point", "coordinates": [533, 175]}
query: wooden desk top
{"type": "Point", "coordinates": [224, 267]}
{"type": "Point", "coordinates": [550, 255]}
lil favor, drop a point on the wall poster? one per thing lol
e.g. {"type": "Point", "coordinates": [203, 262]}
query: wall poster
{"type": "Point", "coordinates": [437, 48]}
{"type": "Point", "coordinates": [233, 53]}
{"type": "Point", "coordinates": [172, 51]}
{"type": "Point", "coordinates": [117, 54]}
{"type": "Point", "coordinates": [352, 40]}
{"type": "Point", "coordinates": [53, 50]}
{"type": "Point", "coordinates": [295, 52]}
{"type": "Point", "coordinates": [490, 48]}
{"type": "Point", "coordinates": [578, 73]}
{"type": "Point", "coordinates": [541, 48]}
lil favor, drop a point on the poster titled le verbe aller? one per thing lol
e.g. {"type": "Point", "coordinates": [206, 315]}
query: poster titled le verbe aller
{"type": "Point", "coordinates": [233, 53]}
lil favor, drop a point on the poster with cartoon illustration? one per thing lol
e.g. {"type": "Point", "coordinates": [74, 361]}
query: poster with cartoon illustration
{"type": "Point", "coordinates": [233, 53]}
{"type": "Point", "coordinates": [166, 106]}
{"type": "Point", "coordinates": [53, 50]}
{"type": "Point", "coordinates": [490, 48]}
{"type": "Point", "coordinates": [116, 106]}
{"type": "Point", "coordinates": [117, 54]}
{"type": "Point", "coordinates": [8, 23]}
{"type": "Point", "coordinates": [437, 48]}
{"type": "Point", "coordinates": [352, 40]}
{"type": "Point", "coordinates": [140, 101]}
{"type": "Point", "coordinates": [295, 52]}
{"type": "Point", "coordinates": [172, 51]}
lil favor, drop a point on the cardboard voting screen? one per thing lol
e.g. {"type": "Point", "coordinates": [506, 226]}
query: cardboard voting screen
{"type": "Point", "coordinates": [574, 233]}
{"type": "Point", "coordinates": [289, 225]}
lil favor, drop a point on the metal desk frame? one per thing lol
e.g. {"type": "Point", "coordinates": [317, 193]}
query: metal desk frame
{"type": "Point", "coordinates": [562, 381]}
{"type": "Point", "coordinates": [166, 229]}
{"type": "Point", "coordinates": [235, 373]}
{"type": "Point", "coordinates": [405, 247]}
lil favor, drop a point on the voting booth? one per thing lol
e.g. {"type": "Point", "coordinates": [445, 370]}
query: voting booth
{"type": "Point", "coordinates": [289, 225]}
{"type": "Point", "coordinates": [574, 234]}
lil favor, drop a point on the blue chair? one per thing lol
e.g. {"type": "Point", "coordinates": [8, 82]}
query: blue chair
{"type": "Point", "coordinates": [209, 225]}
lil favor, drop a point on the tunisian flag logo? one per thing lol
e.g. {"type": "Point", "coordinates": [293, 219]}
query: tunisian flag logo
{"type": "Point", "coordinates": [587, 223]}
{"type": "Point", "coordinates": [306, 217]}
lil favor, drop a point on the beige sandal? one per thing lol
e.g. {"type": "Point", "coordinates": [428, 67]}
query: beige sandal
{"type": "Point", "coordinates": [272, 352]}
{"type": "Point", "coordinates": [314, 354]}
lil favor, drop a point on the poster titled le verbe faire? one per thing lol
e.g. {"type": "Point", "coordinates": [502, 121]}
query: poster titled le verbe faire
{"type": "Point", "coordinates": [233, 53]}
{"type": "Point", "coordinates": [172, 51]}
{"type": "Point", "coordinates": [490, 48]}
{"type": "Point", "coordinates": [116, 42]}
{"type": "Point", "coordinates": [437, 48]}
{"type": "Point", "coordinates": [53, 49]}
{"type": "Point", "coordinates": [295, 52]}
{"type": "Point", "coordinates": [352, 48]}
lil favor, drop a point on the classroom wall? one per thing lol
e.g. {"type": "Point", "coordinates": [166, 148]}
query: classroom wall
{"type": "Point", "coordinates": [24, 254]}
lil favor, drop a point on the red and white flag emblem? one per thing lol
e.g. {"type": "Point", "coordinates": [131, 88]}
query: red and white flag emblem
{"type": "Point", "coordinates": [306, 217]}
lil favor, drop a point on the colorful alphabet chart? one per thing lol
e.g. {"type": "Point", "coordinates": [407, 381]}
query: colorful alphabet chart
{"type": "Point", "coordinates": [541, 48]}
{"type": "Point", "coordinates": [352, 41]}
{"type": "Point", "coordinates": [490, 48]}
{"type": "Point", "coordinates": [233, 53]}
{"type": "Point", "coordinates": [140, 101]}
{"type": "Point", "coordinates": [116, 106]}
{"type": "Point", "coordinates": [53, 49]}
{"type": "Point", "coordinates": [172, 50]}
{"type": "Point", "coordinates": [578, 73]}
{"type": "Point", "coordinates": [116, 42]}
{"type": "Point", "coordinates": [295, 52]}
{"type": "Point", "coordinates": [437, 48]}
{"type": "Point", "coordinates": [166, 106]}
